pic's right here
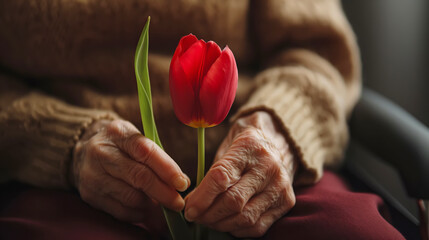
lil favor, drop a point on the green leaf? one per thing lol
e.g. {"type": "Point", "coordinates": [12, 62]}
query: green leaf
{"type": "Point", "coordinates": [143, 86]}
{"type": "Point", "coordinates": [176, 222]}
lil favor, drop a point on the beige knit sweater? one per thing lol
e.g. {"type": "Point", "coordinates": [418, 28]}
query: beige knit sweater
{"type": "Point", "coordinates": [67, 63]}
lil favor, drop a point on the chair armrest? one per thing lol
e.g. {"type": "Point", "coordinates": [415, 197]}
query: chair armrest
{"type": "Point", "coordinates": [395, 136]}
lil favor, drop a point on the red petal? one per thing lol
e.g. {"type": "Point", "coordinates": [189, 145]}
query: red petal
{"type": "Point", "coordinates": [184, 43]}
{"type": "Point", "coordinates": [212, 53]}
{"type": "Point", "coordinates": [218, 88]}
{"type": "Point", "coordinates": [191, 62]}
{"type": "Point", "coordinates": [181, 92]}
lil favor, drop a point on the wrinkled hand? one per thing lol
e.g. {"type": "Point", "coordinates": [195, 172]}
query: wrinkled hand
{"type": "Point", "coordinates": [249, 185]}
{"type": "Point", "coordinates": [118, 170]}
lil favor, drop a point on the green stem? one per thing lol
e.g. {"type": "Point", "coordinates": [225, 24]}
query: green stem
{"type": "Point", "coordinates": [200, 173]}
{"type": "Point", "coordinates": [175, 221]}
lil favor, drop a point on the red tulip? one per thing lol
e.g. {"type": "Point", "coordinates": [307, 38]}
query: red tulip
{"type": "Point", "coordinates": [203, 82]}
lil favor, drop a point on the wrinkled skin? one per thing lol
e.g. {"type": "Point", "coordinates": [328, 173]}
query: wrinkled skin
{"type": "Point", "coordinates": [249, 186]}
{"type": "Point", "coordinates": [119, 171]}
{"type": "Point", "coordinates": [246, 190]}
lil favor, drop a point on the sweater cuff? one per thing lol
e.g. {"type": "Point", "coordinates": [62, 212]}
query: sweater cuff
{"type": "Point", "coordinates": [315, 133]}
{"type": "Point", "coordinates": [68, 132]}
{"type": "Point", "coordinates": [52, 129]}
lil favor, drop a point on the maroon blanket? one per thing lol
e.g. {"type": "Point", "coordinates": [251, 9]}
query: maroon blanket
{"type": "Point", "coordinates": [327, 210]}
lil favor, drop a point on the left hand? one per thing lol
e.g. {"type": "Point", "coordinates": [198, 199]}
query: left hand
{"type": "Point", "coordinates": [249, 186]}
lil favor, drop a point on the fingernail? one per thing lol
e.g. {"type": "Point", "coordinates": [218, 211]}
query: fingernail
{"type": "Point", "coordinates": [180, 203]}
{"type": "Point", "coordinates": [181, 183]}
{"type": "Point", "coordinates": [188, 180]}
{"type": "Point", "coordinates": [191, 214]}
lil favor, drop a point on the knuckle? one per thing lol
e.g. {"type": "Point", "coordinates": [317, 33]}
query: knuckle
{"type": "Point", "coordinates": [144, 148]}
{"type": "Point", "coordinates": [116, 128]}
{"type": "Point", "coordinates": [234, 200]}
{"type": "Point", "coordinates": [272, 196]}
{"type": "Point", "coordinates": [287, 197]}
{"type": "Point", "coordinates": [273, 167]}
{"type": "Point", "coordinates": [221, 179]}
{"type": "Point", "coordinates": [101, 152]}
{"type": "Point", "coordinates": [259, 178]}
{"type": "Point", "coordinates": [270, 163]}
{"type": "Point", "coordinates": [247, 220]}
{"type": "Point", "coordinates": [149, 150]}
{"type": "Point", "coordinates": [132, 142]}
{"type": "Point", "coordinates": [264, 148]}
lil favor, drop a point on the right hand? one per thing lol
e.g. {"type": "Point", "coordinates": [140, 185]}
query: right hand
{"type": "Point", "coordinates": [118, 170]}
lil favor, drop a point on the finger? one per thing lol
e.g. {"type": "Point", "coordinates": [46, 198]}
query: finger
{"type": "Point", "coordinates": [261, 226]}
{"type": "Point", "coordinates": [125, 194]}
{"type": "Point", "coordinates": [133, 200]}
{"type": "Point", "coordinates": [274, 200]}
{"type": "Point", "coordinates": [250, 214]}
{"type": "Point", "coordinates": [235, 198]}
{"type": "Point", "coordinates": [223, 174]}
{"type": "Point", "coordinates": [148, 153]}
{"type": "Point", "coordinates": [143, 178]}
{"type": "Point", "coordinates": [244, 150]}
{"type": "Point", "coordinates": [145, 151]}
{"type": "Point", "coordinates": [115, 208]}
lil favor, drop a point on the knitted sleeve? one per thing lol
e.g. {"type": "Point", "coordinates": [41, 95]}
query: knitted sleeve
{"type": "Point", "coordinates": [312, 78]}
{"type": "Point", "coordinates": [38, 133]}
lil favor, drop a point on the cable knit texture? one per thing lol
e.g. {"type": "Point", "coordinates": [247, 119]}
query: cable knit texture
{"type": "Point", "coordinates": [37, 134]}
{"type": "Point", "coordinates": [69, 63]}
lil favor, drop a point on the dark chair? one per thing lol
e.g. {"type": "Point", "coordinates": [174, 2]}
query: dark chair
{"type": "Point", "coordinates": [382, 129]}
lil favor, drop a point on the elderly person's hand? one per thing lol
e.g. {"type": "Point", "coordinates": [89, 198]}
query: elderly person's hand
{"type": "Point", "coordinates": [249, 185]}
{"type": "Point", "coordinates": [116, 169]}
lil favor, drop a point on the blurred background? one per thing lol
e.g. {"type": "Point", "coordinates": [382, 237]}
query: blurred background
{"type": "Point", "coordinates": [393, 36]}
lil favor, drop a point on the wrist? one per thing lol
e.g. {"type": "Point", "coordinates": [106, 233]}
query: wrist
{"type": "Point", "coordinates": [262, 121]}
{"type": "Point", "coordinates": [271, 129]}
{"type": "Point", "coordinates": [78, 150]}
{"type": "Point", "coordinates": [93, 129]}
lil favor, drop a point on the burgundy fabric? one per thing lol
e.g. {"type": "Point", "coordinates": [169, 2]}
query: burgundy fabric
{"type": "Point", "coordinates": [327, 210]}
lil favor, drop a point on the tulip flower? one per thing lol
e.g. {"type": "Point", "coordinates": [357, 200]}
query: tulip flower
{"type": "Point", "coordinates": [203, 82]}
